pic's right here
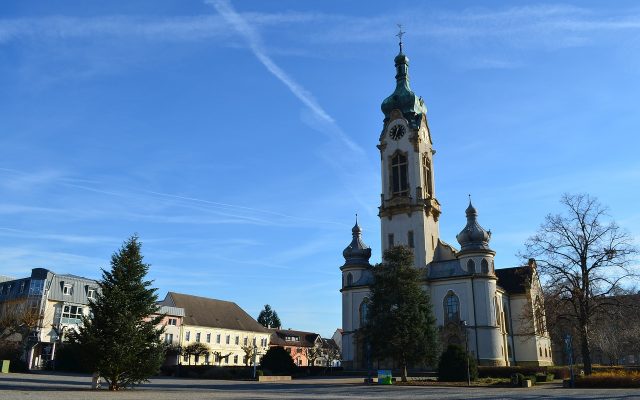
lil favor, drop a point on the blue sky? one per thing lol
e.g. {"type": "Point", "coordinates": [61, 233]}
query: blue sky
{"type": "Point", "coordinates": [238, 138]}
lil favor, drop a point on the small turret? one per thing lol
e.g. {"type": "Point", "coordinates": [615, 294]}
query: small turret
{"type": "Point", "coordinates": [473, 237]}
{"type": "Point", "coordinates": [357, 253]}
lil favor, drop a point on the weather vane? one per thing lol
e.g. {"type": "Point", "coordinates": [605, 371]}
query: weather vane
{"type": "Point", "coordinates": [399, 35]}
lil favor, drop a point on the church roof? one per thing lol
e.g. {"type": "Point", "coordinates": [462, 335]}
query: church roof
{"type": "Point", "coordinates": [203, 311]}
{"type": "Point", "coordinates": [473, 236]}
{"type": "Point", "coordinates": [515, 280]}
{"type": "Point", "coordinates": [403, 98]}
{"type": "Point", "coordinates": [357, 252]}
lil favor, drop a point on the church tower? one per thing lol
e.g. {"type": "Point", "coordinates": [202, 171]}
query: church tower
{"type": "Point", "coordinates": [409, 209]}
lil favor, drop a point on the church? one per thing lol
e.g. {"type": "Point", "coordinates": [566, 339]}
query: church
{"type": "Point", "coordinates": [497, 313]}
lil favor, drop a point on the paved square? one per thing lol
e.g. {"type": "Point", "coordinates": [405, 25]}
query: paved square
{"type": "Point", "coordinates": [76, 387]}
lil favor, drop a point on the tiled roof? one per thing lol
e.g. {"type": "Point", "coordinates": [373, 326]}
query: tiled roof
{"type": "Point", "coordinates": [279, 337]}
{"type": "Point", "coordinates": [515, 280]}
{"type": "Point", "coordinates": [202, 311]}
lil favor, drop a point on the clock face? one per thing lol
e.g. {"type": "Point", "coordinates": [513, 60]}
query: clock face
{"type": "Point", "coordinates": [396, 132]}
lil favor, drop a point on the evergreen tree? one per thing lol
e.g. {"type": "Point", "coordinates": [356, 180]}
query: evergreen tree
{"type": "Point", "coordinates": [400, 323]}
{"type": "Point", "coordinates": [269, 318]}
{"type": "Point", "coordinates": [119, 340]}
{"type": "Point", "coordinates": [453, 365]}
{"type": "Point", "coordinates": [277, 360]}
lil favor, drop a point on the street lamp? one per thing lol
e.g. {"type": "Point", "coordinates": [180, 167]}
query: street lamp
{"type": "Point", "coordinates": [466, 347]}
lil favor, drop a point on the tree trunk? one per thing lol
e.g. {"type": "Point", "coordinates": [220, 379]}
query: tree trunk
{"type": "Point", "coordinates": [404, 371]}
{"type": "Point", "coordinates": [584, 346]}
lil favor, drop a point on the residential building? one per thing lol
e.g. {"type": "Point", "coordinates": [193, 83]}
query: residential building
{"type": "Point", "coordinates": [475, 305]}
{"type": "Point", "coordinates": [59, 301]}
{"type": "Point", "coordinates": [297, 344]}
{"type": "Point", "coordinates": [172, 322]}
{"type": "Point", "coordinates": [222, 326]}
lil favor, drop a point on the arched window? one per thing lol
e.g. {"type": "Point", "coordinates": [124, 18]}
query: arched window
{"type": "Point", "coordinates": [471, 267]}
{"type": "Point", "coordinates": [545, 352]}
{"type": "Point", "coordinates": [484, 265]}
{"type": "Point", "coordinates": [426, 171]}
{"type": "Point", "coordinates": [349, 279]}
{"type": "Point", "coordinates": [364, 312]}
{"type": "Point", "coordinates": [451, 307]}
{"type": "Point", "coordinates": [399, 178]}
{"type": "Point", "coordinates": [539, 317]}
{"type": "Point", "coordinates": [540, 348]}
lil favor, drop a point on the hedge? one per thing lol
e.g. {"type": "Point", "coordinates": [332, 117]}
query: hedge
{"type": "Point", "coordinates": [609, 380]}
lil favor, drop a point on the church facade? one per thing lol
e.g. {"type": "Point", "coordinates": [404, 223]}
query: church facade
{"type": "Point", "coordinates": [497, 313]}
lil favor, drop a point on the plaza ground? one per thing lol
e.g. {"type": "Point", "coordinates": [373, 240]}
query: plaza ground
{"type": "Point", "coordinates": [64, 386]}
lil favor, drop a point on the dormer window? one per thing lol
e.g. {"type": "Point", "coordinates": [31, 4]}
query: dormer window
{"type": "Point", "coordinates": [67, 289]}
{"type": "Point", "coordinates": [91, 294]}
{"type": "Point", "coordinates": [399, 178]}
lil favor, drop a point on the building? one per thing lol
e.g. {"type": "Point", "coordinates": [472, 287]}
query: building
{"type": "Point", "coordinates": [222, 326]}
{"type": "Point", "coordinates": [472, 301]}
{"type": "Point", "coordinates": [298, 344]}
{"type": "Point", "coordinates": [172, 321]}
{"type": "Point", "coordinates": [58, 301]}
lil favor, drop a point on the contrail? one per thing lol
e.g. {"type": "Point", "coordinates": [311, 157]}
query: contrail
{"type": "Point", "coordinates": [255, 44]}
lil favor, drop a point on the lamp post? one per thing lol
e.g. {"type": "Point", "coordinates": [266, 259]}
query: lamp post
{"type": "Point", "coordinates": [466, 347]}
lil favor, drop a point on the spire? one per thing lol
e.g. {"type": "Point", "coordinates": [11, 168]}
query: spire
{"type": "Point", "coordinates": [473, 236]}
{"type": "Point", "coordinates": [403, 98]}
{"type": "Point", "coordinates": [357, 252]}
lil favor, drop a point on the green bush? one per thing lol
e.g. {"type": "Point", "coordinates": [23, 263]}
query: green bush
{"type": "Point", "coordinates": [453, 365]}
{"type": "Point", "coordinates": [278, 361]}
{"type": "Point", "coordinates": [12, 351]}
{"type": "Point", "coordinates": [517, 379]}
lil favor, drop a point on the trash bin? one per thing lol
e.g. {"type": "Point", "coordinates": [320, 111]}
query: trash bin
{"type": "Point", "coordinates": [5, 367]}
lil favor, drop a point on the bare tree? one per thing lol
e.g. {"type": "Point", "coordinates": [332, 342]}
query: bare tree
{"type": "Point", "coordinates": [584, 259]}
{"type": "Point", "coordinates": [313, 353]}
{"type": "Point", "coordinates": [249, 352]}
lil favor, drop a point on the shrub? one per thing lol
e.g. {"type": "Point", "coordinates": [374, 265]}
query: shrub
{"type": "Point", "coordinates": [618, 379]}
{"type": "Point", "coordinates": [517, 379]}
{"type": "Point", "coordinates": [453, 365]}
{"type": "Point", "coordinates": [12, 351]}
{"type": "Point", "coordinates": [69, 359]}
{"type": "Point", "coordinates": [559, 372]}
{"type": "Point", "coordinates": [278, 361]}
{"type": "Point", "coordinates": [531, 378]}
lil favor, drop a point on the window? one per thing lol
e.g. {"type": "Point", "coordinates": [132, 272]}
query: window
{"type": "Point", "coordinates": [71, 314]}
{"type": "Point", "coordinates": [451, 307]}
{"type": "Point", "coordinates": [22, 286]}
{"type": "Point", "coordinates": [509, 350]}
{"type": "Point", "coordinates": [471, 267]}
{"type": "Point", "coordinates": [364, 312]}
{"type": "Point", "coordinates": [237, 340]}
{"type": "Point", "coordinates": [426, 171]}
{"type": "Point", "coordinates": [185, 358]}
{"type": "Point", "coordinates": [507, 326]}
{"type": "Point", "coordinates": [173, 321]}
{"type": "Point", "coordinates": [208, 338]}
{"type": "Point", "coordinates": [91, 294]}
{"type": "Point", "coordinates": [298, 350]}
{"type": "Point", "coordinates": [235, 359]}
{"type": "Point", "coordinates": [187, 336]}
{"type": "Point", "coordinates": [246, 341]}
{"type": "Point", "coordinates": [206, 358]}
{"type": "Point", "coordinates": [254, 341]}
{"type": "Point", "coordinates": [36, 287]}
{"type": "Point", "coordinates": [399, 181]}
{"type": "Point", "coordinates": [391, 240]}
{"type": "Point", "coordinates": [349, 279]}
{"type": "Point", "coordinates": [540, 348]}
{"type": "Point", "coordinates": [198, 337]}
{"type": "Point", "coordinates": [218, 338]}
{"type": "Point", "coordinates": [168, 338]}
{"type": "Point", "coordinates": [67, 289]}
{"type": "Point", "coordinates": [228, 339]}
{"type": "Point", "coordinates": [545, 352]}
{"type": "Point", "coordinates": [197, 358]}
{"type": "Point", "coordinates": [484, 265]}
{"type": "Point", "coordinates": [410, 239]}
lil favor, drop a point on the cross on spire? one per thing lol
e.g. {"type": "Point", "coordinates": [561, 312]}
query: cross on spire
{"type": "Point", "coordinates": [399, 35]}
